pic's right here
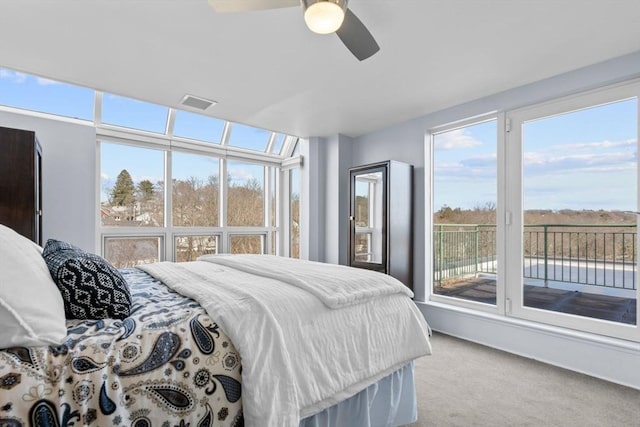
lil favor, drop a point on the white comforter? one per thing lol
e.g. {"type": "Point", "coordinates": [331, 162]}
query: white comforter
{"type": "Point", "coordinates": [299, 355]}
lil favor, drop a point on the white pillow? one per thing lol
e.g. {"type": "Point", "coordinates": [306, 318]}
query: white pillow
{"type": "Point", "coordinates": [31, 307]}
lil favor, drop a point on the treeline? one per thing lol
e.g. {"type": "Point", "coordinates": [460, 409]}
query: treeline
{"type": "Point", "coordinates": [486, 214]}
{"type": "Point", "coordinates": [195, 202]}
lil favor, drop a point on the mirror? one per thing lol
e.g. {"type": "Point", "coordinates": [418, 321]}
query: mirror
{"type": "Point", "coordinates": [368, 218]}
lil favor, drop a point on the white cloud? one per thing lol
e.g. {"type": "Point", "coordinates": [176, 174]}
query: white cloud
{"type": "Point", "coordinates": [240, 175]}
{"type": "Point", "coordinates": [595, 157]}
{"type": "Point", "coordinates": [455, 139]}
{"type": "Point", "coordinates": [137, 178]}
{"type": "Point", "coordinates": [18, 77]}
{"type": "Point", "coordinates": [45, 82]}
{"type": "Point", "coordinates": [471, 168]}
{"type": "Point", "coordinates": [591, 146]}
{"type": "Point", "coordinates": [104, 176]}
{"type": "Point", "coordinates": [15, 76]}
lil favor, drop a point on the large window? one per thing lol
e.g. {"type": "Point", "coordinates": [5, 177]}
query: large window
{"type": "Point", "coordinates": [248, 137]}
{"type": "Point", "coordinates": [133, 198]}
{"type": "Point", "coordinates": [196, 190]}
{"type": "Point", "coordinates": [131, 113]}
{"type": "Point", "coordinates": [47, 96]}
{"type": "Point", "coordinates": [575, 174]}
{"type": "Point", "coordinates": [560, 185]}
{"type": "Point", "coordinates": [132, 189]}
{"type": "Point", "coordinates": [464, 211]}
{"type": "Point", "coordinates": [245, 195]}
{"type": "Point", "coordinates": [174, 184]}
{"type": "Point", "coordinates": [198, 127]}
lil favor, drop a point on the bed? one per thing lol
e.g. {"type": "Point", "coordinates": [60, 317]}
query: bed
{"type": "Point", "coordinates": [223, 341]}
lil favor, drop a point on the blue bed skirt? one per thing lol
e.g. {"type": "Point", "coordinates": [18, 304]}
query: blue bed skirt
{"type": "Point", "coordinates": [389, 402]}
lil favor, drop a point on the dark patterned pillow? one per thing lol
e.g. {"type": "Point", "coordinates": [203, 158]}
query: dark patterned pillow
{"type": "Point", "coordinates": [91, 287]}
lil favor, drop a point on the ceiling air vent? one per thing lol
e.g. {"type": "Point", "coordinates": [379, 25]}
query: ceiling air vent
{"type": "Point", "coordinates": [195, 102]}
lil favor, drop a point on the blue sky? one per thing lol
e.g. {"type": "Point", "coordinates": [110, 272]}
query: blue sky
{"type": "Point", "coordinates": [580, 160]}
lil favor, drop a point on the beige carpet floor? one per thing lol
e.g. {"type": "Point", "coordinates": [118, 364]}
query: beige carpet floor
{"type": "Point", "coordinates": [466, 384]}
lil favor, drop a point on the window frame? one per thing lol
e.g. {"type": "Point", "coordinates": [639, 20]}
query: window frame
{"type": "Point", "coordinates": [278, 233]}
{"type": "Point", "coordinates": [514, 209]}
{"type": "Point", "coordinates": [509, 213]}
{"type": "Point", "coordinates": [430, 295]}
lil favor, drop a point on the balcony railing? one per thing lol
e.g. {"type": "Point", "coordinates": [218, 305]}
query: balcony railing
{"type": "Point", "coordinates": [595, 255]}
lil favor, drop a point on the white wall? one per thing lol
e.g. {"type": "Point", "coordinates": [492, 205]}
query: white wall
{"type": "Point", "coordinates": [328, 199]}
{"type": "Point", "coordinates": [68, 176]}
{"type": "Point", "coordinates": [312, 195]}
{"type": "Point", "coordinates": [611, 359]}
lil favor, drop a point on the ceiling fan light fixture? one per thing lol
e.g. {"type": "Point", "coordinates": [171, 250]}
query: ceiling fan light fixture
{"type": "Point", "coordinates": [324, 16]}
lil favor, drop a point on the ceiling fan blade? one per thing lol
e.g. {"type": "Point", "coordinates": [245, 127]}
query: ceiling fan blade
{"type": "Point", "coordinates": [223, 6]}
{"type": "Point", "coordinates": [356, 37]}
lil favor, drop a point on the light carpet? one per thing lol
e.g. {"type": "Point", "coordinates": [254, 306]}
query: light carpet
{"type": "Point", "coordinates": [466, 384]}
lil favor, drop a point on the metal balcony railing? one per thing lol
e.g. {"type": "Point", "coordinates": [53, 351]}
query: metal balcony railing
{"type": "Point", "coordinates": [596, 255]}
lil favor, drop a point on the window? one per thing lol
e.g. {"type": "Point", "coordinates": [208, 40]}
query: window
{"type": "Point", "coordinates": [189, 248]}
{"type": "Point", "coordinates": [246, 244]}
{"type": "Point", "coordinates": [129, 251]}
{"type": "Point", "coordinates": [197, 126]}
{"type": "Point", "coordinates": [575, 173]}
{"type": "Point", "coordinates": [464, 212]}
{"type": "Point", "coordinates": [245, 196]}
{"type": "Point", "coordinates": [132, 191]}
{"type": "Point", "coordinates": [537, 220]}
{"type": "Point", "coordinates": [248, 137]}
{"type": "Point", "coordinates": [131, 113]}
{"type": "Point", "coordinates": [277, 143]}
{"type": "Point", "coordinates": [166, 196]}
{"type": "Point", "coordinates": [47, 96]}
{"type": "Point", "coordinates": [195, 190]}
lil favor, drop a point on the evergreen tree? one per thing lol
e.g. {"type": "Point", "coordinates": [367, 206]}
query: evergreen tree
{"type": "Point", "coordinates": [123, 193]}
{"type": "Point", "coordinates": [146, 190]}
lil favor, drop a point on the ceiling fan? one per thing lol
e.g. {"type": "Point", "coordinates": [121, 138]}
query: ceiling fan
{"type": "Point", "coordinates": [321, 16]}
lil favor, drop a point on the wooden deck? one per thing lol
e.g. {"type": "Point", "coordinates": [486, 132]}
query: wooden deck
{"type": "Point", "coordinates": [617, 309]}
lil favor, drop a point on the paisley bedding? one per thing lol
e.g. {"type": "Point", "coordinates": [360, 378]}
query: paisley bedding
{"type": "Point", "coordinates": [166, 365]}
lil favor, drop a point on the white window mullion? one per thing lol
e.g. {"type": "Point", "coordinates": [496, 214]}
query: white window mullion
{"type": "Point", "coordinates": [267, 196]}
{"type": "Point", "coordinates": [224, 189]}
{"type": "Point", "coordinates": [285, 223]}
{"type": "Point", "coordinates": [512, 215]}
{"type": "Point", "coordinates": [277, 233]}
{"type": "Point", "coordinates": [267, 206]}
{"type": "Point", "coordinates": [503, 215]}
{"type": "Point", "coordinates": [168, 215]}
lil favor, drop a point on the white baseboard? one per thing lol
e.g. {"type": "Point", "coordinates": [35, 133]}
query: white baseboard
{"type": "Point", "coordinates": [610, 359]}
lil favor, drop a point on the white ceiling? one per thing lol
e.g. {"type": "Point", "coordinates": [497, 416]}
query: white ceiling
{"type": "Point", "coordinates": [268, 70]}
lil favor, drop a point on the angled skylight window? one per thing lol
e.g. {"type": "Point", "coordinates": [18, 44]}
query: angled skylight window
{"type": "Point", "coordinates": [277, 143]}
{"type": "Point", "coordinates": [134, 114]}
{"type": "Point", "coordinates": [296, 149]}
{"type": "Point", "coordinates": [249, 137]}
{"type": "Point", "coordinates": [198, 126]}
{"type": "Point", "coordinates": [46, 96]}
